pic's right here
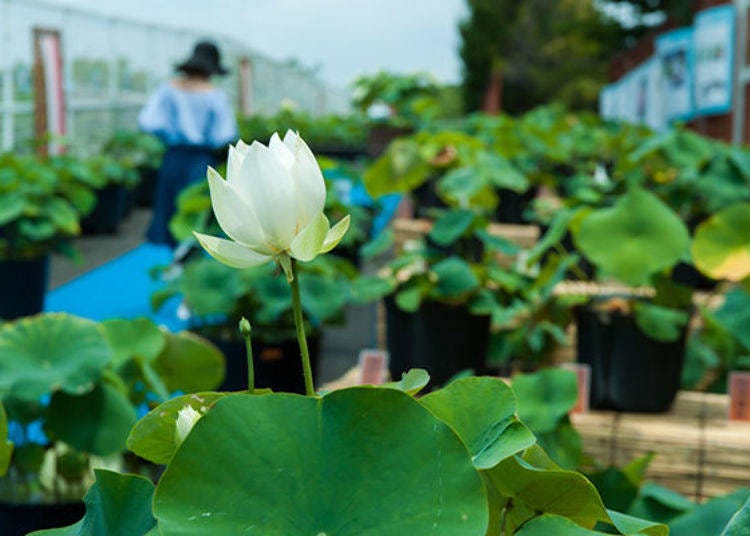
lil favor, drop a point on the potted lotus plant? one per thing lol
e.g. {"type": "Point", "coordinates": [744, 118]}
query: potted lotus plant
{"type": "Point", "coordinates": [115, 179]}
{"type": "Point", "coordinates": [72, 389]}
{"type": "Point", "coordinates": [361, 460]}
{"type": "Point", "coordinates": [41, 210]}
{"type": "Point", "coordinates": [142, 152]}
{"type": "Point", "coordinates": [634, 340]}
{"type": "Point", "coordinates": [440, 294]}
{"type": "Point", "coordinates": [216, 297]}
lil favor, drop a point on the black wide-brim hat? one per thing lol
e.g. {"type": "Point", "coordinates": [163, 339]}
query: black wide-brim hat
{"type": "Point", "coordinates": [206, 58]}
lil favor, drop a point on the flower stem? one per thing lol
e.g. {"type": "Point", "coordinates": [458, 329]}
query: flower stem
{"type": "Point", "coordinates": [245, 330]}
{"type": "Point", "coordinates": [301, 338]}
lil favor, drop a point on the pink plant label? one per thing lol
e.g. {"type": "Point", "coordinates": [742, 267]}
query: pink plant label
{"type": "Point", "coordinates": [373, 367]}
{"type": "Point", "coordinates": [583, 377]}
{"type": "Point", "coordinates": [739, 396]}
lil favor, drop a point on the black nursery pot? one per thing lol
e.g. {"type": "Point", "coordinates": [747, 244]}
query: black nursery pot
{"type": "Point", "coordinates": [19, 519]}
{"type": "Point", "coordinates": [23, 284]}
{"type": "Point", "coordinates": [277, 366]}
{"type": "Point", "coordinates": [629, 370]}
{"type": "Point", "coordinates": [380, 135]}
{"type": "Point", "coordinates": [439, 338]}
{"type": "Point", "coordinates": [688, 275]}
{"type": "Point", "coordinates": [144, 192]}
{"type": "Point", "coordinates": [426, 198]}
{"type": "Point", "coordinates": [513, 205]}
{"type": "Point", "coordinates": [107, 214]}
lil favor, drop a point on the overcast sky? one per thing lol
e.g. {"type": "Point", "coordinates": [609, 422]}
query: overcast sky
{"type": "Point", "coordinates": [343, 37]}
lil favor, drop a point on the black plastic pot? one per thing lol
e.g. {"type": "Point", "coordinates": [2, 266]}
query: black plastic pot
{"type": "Point", "coordinates": [277, 366]}
{"type": "Point", "coordinates": [19, 519]}
{"type": "Point", "coordinates": [426, 198]}
{"type": "Point", "coordinates": [629, 370]}
{"type": "Point", "coordinates": [144, 192]}
{"type": "Point", "coordinates": [381, 135]}
{"type": "Point", "coordinates": [688, 275]}
{"type": "Point", "coordinates": [342, 152]}
{"type": "Point", "coordinates": [439, 338]}
{"type": "Point", "coordinates": [23, 284]}
{"type": "Point", "coordinates": [108, 212]}
{"type": "Point", "coordinates": [513, 205]}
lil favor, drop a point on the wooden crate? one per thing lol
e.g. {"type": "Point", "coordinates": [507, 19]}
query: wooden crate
{"type": "Point", "coordinates": [698, 451]}
{"type": "Point", "coordinates": [405, 229]}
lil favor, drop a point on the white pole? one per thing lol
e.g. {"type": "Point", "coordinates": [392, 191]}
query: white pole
{"type": "Point", "coordinates": [6, 71]}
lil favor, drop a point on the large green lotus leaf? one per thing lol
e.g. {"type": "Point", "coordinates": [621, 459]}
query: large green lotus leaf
{"type": "Point", "coordinates": [411, 382]}
{"type": "Point", "coordinates": [6, 447]}
{"type": "Point", "coordinates": [536, 485]}
{"type": "Point", "coordinates": [545, 397]}
{"type": "Point", "coordinates": [97, 422]}
{"type": "Point", "coordinates": [739, 525]}
{"type": "Point", "coordinates": [362, 461]}
{"type": "Point", "coordinates": [153, 437]}
{"type": "Point", "coordinates": [134, 338]}
{"type": "Point", "coordinates": [482, 411]}
{"type": "Point", "coordinates": [636, 238]}
{"type": "Point", "coordinates": [710, 517]}
{"type": "Point", "coordinates": [721, 248]}
{"type": "Point", "coordinates": [52, 352]}
{"type": "Point", "coordinates": [116, 505]}
{"type": "Point", "coordinates": [554, 525]}
{"type": "Point", "coordinates": [190, 363]}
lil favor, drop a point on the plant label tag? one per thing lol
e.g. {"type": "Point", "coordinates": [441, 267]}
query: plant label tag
{"type": "Point", "coordinates": [739, 396]}
{"type": "Point", "coordinates": [583, 376]}
{"type": "Point", "coordinates": [373, 367]}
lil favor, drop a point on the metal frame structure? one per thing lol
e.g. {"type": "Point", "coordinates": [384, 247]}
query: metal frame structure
{"type": "Point", "coordinates": [741, 70]}
{"type": "Point", "coordinates": [154, 49]}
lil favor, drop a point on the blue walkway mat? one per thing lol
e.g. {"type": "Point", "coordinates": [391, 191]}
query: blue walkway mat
{"type": "Point", "coordinates": [121, 288]}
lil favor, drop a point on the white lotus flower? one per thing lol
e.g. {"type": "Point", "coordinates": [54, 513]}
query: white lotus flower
{"type": "Point", "coordinates": [270, 205]}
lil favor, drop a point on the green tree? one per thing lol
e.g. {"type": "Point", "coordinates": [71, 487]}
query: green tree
{"type": "Point", "coordinates": [544, 50]}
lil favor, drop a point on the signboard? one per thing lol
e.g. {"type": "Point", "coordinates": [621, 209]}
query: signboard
{"type": "Point", "coordinates": [49, 98]}
{"type": "Point", "coordinates": [674, 52]}
{"type": "Point", "coordinates": [373, 367]}
{"type": "Point", "coordinates": [739, 396]}
{"type": "Point", "coordinates": [713, 41]}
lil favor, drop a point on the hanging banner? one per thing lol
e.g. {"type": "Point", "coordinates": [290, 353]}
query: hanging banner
{"type": "Point", "coordinates": [674, 52]}
{"type": "Point", "coordinates": [713, 41]}
{"type": "Point", "coordinates": [654, 95]}
{"type": "Point", "coordinates": [607, 102]}
{"type": "Point", "coordinates": [49, 97]}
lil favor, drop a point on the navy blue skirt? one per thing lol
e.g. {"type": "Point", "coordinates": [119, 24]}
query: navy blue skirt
{"type": "Point", "coordinates": [181, 167]}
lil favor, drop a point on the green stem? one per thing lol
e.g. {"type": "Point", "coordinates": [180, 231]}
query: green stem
{"type": "Point", "coordinates": [245, 330]}
{"type": "Point", "coordinates": [299, 322]}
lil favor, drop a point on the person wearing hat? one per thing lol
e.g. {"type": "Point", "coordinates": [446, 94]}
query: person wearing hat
{"type": "Point", "coordinates": [194, 119]}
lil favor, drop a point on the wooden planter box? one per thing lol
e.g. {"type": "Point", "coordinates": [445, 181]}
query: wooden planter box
{"type": "Point", "coordinates": [699, 453]}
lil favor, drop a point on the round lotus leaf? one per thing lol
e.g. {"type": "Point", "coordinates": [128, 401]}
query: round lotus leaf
{"type": "Point", "coordinates": [134, 338]}
{"type": "Point", "coordinates": [633, 240]}
{"type": "Point", "coordinates": [721, 248]}
{"type": "Point", "coordinates": [362, 461]}
{"type": "Point", "coordinates": [53, 352]}
{"type": "Point", "coordinates": [98, 421]}
{"type": "Point", "coordinates": [190, 363]}
{"type": "Point", "coordinates": [483, 413]}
